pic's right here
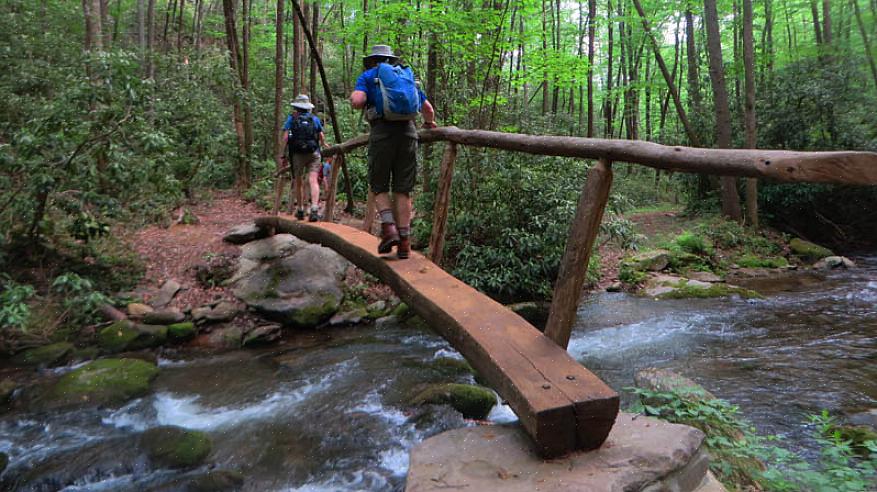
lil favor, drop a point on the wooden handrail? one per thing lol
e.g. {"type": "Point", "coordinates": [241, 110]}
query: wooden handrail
{"type": "Point", "coordinates": [844, 167]}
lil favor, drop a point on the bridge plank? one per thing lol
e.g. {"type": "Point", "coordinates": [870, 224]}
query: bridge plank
{"type": "Point", "coordinates": [562, 406]}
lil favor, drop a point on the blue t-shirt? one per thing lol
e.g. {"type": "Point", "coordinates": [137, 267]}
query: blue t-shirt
{"type": "Point", "coordinates": [366, 83]}
{"type": "Point", "coordinates": [318, 125]}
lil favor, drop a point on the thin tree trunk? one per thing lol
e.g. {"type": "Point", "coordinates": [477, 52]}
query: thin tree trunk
{"type": "Point", "coordinates": [315, 29]}
{"type": "Point", "coordinates": [279, 60]}
{"type": "Point", "coordinates": [814, 9]}
{"type": "Point", "coordinates": [180, 27]}
{"type": "Point", "coordinates": [730, 197]}
{"type": "Point", "coordinates": [826, 22]}
{"type": "Point", "coordinates": [668, 78]}
{"type": "Point", "coordinates": [691, 54]}
{"type": "Point", "coordinates": [608, 98]}
{"type": "Point", "coordinates": [749, 109]}
{"type": "Point", "coordinates": [592, 14]}
{"type": "Point", "coordinates": [170, 13]}
{"type": "Point", "coordinates": [141, 27]}
{"type": "Point", "coordinates": [150, 39]}
{"type": "Point", "coordinates": [106, 32]}
{"type": "Point", "coordinates": [545, 100]}
{"type": "Point", "coordinates": [93, 27]}
{"type": "Point", "coordinates": [242, 173]}
{"type": "Point", "coordinates": [868, 54]}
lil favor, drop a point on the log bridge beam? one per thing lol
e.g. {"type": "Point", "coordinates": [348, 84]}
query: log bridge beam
{"type": "Point", "coordinates": [561, 405]}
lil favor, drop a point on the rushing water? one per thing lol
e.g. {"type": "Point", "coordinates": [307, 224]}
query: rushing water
{"type": "Point", "coordinates": [325, 411]}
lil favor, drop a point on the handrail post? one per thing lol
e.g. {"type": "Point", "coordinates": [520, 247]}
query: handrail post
{"type": "Point", "coordinates": [329, 212]}
{"type": "Point", "coordinates": [442, 202]}
{"type": "Point", "coordinates": [371, 209]}
{"type": "Point", "coordinates": [574, 265]}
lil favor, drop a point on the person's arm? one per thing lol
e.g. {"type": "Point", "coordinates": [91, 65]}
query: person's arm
{"type": "Point", "coordinates": [428, 115]}
{"type": "Point", "coordinates": [323, 140]}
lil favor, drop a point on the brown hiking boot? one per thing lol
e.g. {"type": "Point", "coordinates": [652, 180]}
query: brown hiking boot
{"type": "Point", "coordinates": [404, 248]}
{"type": "Point", "coordinates": [389, 237]}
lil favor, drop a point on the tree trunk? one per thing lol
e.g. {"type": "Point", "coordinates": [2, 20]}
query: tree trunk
{"type": "Point", "coordinates": [691, 54]}
{"type": "Point", "coordinates": [749, 109]}
{"type": "Point", "coordinates": [730, 197]}
{"type": "Point", "coordinates": [106, 32]}
{"type": "Point", "coordinates": [826, 22]}
{"type": "Point", "coordinates": [279, 66]}
{"type": "Point", "coordinates": [315, 29]}
{"type": "Point", "coordinates": [180, 27]}
{"type": "Point", "coordinates": [607, 106]}
{"type": "Point", "coordinates": [668, 78]}
{"type": "Point", "coordinates": [93, 27]}
{"type": "Point", "coordinates": [814, 9]}
{"type": "Point", "coordinates": [865, 40]}
{"type": "Point", "coordinates": [141, 27]}
{"type": "Point", "coordinates": [592, 14]}
{"type": "Point", "coordinates": [242, 173]}
{"type": "Point", "coordinates": [150, 39]}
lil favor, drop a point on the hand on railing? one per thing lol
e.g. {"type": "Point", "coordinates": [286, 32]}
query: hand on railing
{"type": "Point", "coordinates": [429, 124]}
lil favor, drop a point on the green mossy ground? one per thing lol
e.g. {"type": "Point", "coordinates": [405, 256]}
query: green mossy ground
{"type": "Point", "coordinates": [104, 381]}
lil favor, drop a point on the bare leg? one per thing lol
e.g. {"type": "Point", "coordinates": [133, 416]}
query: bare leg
{"type": "Point", "coordinates": [403, 209]}
{"type": "Point", "coordinates": [299, 193]}
{"type": "Point", "coordinates": [315, 189]}
{"type": "Point", "coordinates": [383, 201]}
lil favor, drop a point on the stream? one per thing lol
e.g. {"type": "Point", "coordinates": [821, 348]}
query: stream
{"type": "Point", "coordinates": [325, 410]}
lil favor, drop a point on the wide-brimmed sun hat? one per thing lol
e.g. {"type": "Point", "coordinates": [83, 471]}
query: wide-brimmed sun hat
{"type": "Point", "coordinates": [302, 101]}
{"type": "Point", "coordinates": [381, 51]}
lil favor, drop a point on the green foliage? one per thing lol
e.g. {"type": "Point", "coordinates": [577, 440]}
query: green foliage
{"type": "Point", "coordinates": [742, 458]}
{"type": "Point", "coordinates": [81, 300]}
{"type": "Point", "coordinates": [752, 261]}
{"type": "Point", "coordinates": [14, 310]}
{"type": "Point", "coordinates": [690, 242]}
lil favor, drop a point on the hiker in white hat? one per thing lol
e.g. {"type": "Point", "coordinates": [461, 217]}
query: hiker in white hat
{"type": "Point", "coordinates": [391, 96]}
{"type": "Point", "coordinates": [304, 138]}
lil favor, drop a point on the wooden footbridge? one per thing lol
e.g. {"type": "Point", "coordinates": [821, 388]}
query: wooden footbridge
{"type": "Point", "coordinates": [561, 405]}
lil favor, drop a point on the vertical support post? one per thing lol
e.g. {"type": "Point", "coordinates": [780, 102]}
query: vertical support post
{"type": "Point", "coordinates": [278, 192]}
{"type": "Point", "coordinates": [442, 201]}
{"type": "Point", "coordinates": [370, 212]}
{"type": "Point", "coordinates": [574, 265]}
{"type": "Point", "coordinates": [329, 212]}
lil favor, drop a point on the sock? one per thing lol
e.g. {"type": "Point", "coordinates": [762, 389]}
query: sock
{"type": "Point", "coordinates": [404, 231]}
{"type": "Point", "coordinates": [315, 207]}
{"type": "Point", "coordinates": [387, 216]}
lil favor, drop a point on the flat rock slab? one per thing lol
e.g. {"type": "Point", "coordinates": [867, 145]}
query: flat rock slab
{"type": "Point", "coordinates": [641, 453]}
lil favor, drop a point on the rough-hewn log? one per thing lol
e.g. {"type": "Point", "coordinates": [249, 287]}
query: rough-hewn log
{"type": "Point", "coordinates": [562, 405]}
{"type": "Point", "coordinates": [857, 168]}
{"type": "Point", "coordinates": [574, 265]}
{"type": "Point", "coordinates": [371, 210]}
{"type": "Point", "coordinates": [442, 202]}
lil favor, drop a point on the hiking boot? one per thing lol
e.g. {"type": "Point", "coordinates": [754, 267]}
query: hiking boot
{"type": "Point", "coordinates": [404, 248]}
{"type": "Point", "coordinates": [389, 237]}
{"type": "Point", "coordinates": [314, 216]}
{"type": "Point", "coordinates": [300, 214]}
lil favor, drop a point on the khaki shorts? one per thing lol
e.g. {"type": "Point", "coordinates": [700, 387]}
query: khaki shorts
{"type": "Point", "coordinates": [305, 163]}
{"type": "Point", "coordinates": [392, 164]}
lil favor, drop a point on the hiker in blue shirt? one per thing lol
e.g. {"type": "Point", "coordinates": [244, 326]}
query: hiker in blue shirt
{"type": "Point", "coordinates": [392, 146]}
{"type": "Point", "coordinates": [304, 136]}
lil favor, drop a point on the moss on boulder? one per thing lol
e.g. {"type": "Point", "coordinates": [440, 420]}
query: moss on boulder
{"type": "Point", "coordinates": [807, 250]}
{"type": "Point", "coordinates": [752, 261]}
{"type": "Point", "coordinates": [216, 481]}
{"type": "Point", "coordinates": [176, 447]}
{"type": "Point", "coordinates": [125, 335]}
{"type": "Point", "coordinates": [47, 355]}
{"type": "Point", "coordinates": [105, 381]}
{"type": "Point", "coordinates": [474, 402]}
{"type": "Point", "coordinates": [684, 290]}
{"type": "Point", "coordinates": [180, 332]}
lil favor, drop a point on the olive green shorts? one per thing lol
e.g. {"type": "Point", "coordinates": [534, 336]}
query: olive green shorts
{"type": "Point", "coordinates": [392, 159]}
{"type": "Point", "coordinates": [305, 163]}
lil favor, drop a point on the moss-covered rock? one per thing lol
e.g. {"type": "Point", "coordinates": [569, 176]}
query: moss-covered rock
{"type": "Point", "coordinates": [176, 447]}
{"type": "Point", "coordinates": [400, 311]}
{"type": "Point", "coordinates": [536, 313]}
{"type": "Point", "coordinates": [47, 355]}
{"type": "Point", "coordinates": [685, 290]}
{"type": "Point", "coordinates": [807, 250]}
{"type": "Point", "coordinates": [651, 261]}
{"type": "Point", "coordinates": [124, 335]}
{"type": "Point", "coordinates": [105, 381]}
{"type": "Point", "coordinates": [85, 353]}
{"type": "Point", "coordinates": [180, 332]}
{"type": "Point", "coordinates": [7, 388]}
{"type": "Point", "coordinates": [474, 402]}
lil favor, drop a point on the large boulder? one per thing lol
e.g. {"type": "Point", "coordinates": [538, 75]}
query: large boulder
{"type": "Point", "coordinates": [290, 281]}
{"type": "Point", "coordinates": [807, 250]}
{"type": "Point", "coordinates": [652, 261]}
{"type": "Point", "coordinates": [832, 262]}
{"type": "Point", "coordinates": [124, 335]}
{"type": "Point", "coordinates": [176, 447]}
{"type": "Point", "coordinates": [47, 355]}
{"type": "Point", "coordinates": [104, 381]}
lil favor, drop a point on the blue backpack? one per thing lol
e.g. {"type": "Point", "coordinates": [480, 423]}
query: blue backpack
{"type": "Point", "coordinates": [398, 97]}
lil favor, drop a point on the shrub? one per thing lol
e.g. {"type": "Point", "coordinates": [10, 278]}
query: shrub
{"type": "Point", "coordinates": [692, 243]}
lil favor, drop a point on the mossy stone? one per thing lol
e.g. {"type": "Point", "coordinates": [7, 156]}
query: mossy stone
{"type": "Point", "coordinates": [686, 291]}
{"type": "Point", "coordinates": [752, 261]}
{"type": "Point", "coordinates": [85, 353]}
{"type": "Point", "coordinates": [105, 381]}
{"type": "Point", "coordinates": [808, 250]}
{"type": "Point", "coordinates": [180, 332]}
{"type": "Point", "coordinates": [400, 311]}
{"type": "Point", "coordinates": [7, 387]}
{"type": "Point", "coordinates": [176, 447]}
{"type": "Point", "coordinates": [47, 355]}
{"type": "Point", "coordinates": [125, 335]}
{"type": "Point", "coordinates": [453, 366]}
{"type": "Point", "coordinates": [216, 481]}
{"type": "Point", "coordinates": [474, 402]}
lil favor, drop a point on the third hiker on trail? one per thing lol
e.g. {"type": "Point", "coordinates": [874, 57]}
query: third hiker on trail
{"type": "Point", "coordinates": [392, 99]}
{"type": "Point", "coordinates": [304, 138]}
